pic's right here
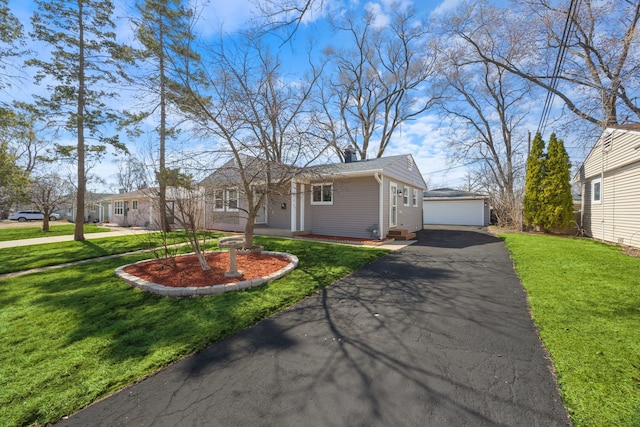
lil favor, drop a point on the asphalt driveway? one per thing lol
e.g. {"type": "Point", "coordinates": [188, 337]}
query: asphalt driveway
{"type": "Point", "coordinates": [435, 334]}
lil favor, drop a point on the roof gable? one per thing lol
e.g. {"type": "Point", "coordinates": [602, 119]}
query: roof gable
{"type": "Point", "coordinates": [619, 145]}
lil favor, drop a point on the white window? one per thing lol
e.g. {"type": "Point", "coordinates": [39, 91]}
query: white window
{"type": "Point", "coordinates": [118, 208]}
{"type": "Point", "coordinates": [405, 196]}
{"type": "Point", "coordinates": [134, 205]}
{"type": "Point", "coordinates": [218, 200]}
{"type": "Point", "coordinates": [414, 197]}
{"type": "Point", "coordinates": [596, 191]}
{"type": "Point", "coordinates": [322, 194]}
{"type": "Point", "coordinates": [232, 200]}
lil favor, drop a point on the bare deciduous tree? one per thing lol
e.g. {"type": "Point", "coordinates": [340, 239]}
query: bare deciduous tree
{"type": "Point", "coordinates": [485, 103]}
{"type": "Point", "coordinates": [132, 175]}
{"type": "Point", "coordinates": [379, 76]}
{"type": "Point", "coordinates": [260, 116]}
{"type": "Point", "coordinates": [598, 81]}
{"type": "Point", "coordinates": [49, 192]}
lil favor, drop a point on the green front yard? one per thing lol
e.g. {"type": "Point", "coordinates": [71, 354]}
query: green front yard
{"type": "Point", "coordinates": [70, 336]}
{"type": "Point", "coordinates": [585, 300]}
{"type": "Point", "coordinates": [73, 335]}
{"type": "Point", "coordinates": [55, 230]}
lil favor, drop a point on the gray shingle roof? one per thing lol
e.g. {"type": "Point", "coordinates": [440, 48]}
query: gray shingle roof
{"type": "Point", "coordinates": [358, 166]}
{"type": "Point", "coordinates": [440, 193]}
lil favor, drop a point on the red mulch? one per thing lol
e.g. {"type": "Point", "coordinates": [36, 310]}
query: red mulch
{"type": "Point", "coordinates": [187, 271]}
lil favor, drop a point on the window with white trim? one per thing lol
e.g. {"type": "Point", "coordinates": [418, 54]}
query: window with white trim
{"type": "Point", "coordinates": [322, 194]}
{"type": "Point", "coordinates": [134, 205]}
{"type": "Point", "coordinates": [118, 208]}
{"type": "Point", "coordinates": [232, 200]}
{"type": "Point", "coordinates": [218, 200]}
{"type": "Point", "coordinates": [405, 196]}
{"type": "Point", "coordinates": [596, 191]}
{"type": "Point", "coordinates": [414, 197]}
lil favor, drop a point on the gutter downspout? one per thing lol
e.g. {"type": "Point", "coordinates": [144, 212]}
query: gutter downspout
{"type": "Point", "coordinates": [602, 188]}
{"type": "Point", "coordinates": [379, 177]}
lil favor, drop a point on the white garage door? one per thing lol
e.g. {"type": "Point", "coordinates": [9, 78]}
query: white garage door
{"type": "Point", "coordinates": [454, 212]}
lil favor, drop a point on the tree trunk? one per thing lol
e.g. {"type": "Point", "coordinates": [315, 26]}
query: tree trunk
{"type": "Point", "coordinates": [79, 226]}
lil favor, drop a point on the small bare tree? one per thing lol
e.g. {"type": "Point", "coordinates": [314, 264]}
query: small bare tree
{"type": "Point", "coordinates": [49, 192]}
{"type": "Point", "coordinates": [259, 116]}
{"type": "Point", "coordinates": [188, 202]}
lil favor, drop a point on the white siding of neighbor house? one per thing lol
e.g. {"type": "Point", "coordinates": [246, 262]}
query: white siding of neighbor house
{"type": "Point", "coordinates": [354, 209]}
{"type": "Point", "coordinates": [617, 218]}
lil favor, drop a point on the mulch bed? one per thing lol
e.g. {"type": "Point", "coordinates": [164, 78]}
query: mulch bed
{"type": "Point", "coordinates": [187, 271]}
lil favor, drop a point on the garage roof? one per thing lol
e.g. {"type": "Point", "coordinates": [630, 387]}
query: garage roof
{"type": "Point", "coordinates": [450, 193]}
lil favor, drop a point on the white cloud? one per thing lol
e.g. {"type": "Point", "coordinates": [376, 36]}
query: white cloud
{"type": "Point", "coordinates": [445, 6]}
{"type": "Point", "coordinates": [380, 19]}
{"type": "Point", "coordinates": [427, 142]}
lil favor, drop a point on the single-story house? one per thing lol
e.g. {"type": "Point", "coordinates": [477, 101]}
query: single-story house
{"type": "Point", "coordinates": [363, 199]}
{"type": "Point", "coordinates": [447, 206]}
{"type": "Point", "coordinates": [609, 180]}
{"type": "Point", "coordinates": [97, 207]}
{"type": "Point", "coordinates": [141, 208]}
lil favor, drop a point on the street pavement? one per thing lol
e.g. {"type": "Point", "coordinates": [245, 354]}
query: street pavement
{"type": "Point", "coordinates": [435, 334]}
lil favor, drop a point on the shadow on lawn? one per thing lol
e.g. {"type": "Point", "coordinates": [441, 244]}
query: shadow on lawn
{"type": "Point", "coordinates": [137, 323]}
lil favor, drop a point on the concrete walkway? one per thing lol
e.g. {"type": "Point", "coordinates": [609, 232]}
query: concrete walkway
{"type": "Point", "coordinates": [67, 238]}
{"type": "Point", "coordinates": [435, 334]}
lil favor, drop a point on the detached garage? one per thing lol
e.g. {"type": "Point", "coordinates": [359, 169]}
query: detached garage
{"type": "Point", "coordinates": [447, 206]}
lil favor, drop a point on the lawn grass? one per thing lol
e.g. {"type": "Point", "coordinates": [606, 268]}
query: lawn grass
{"type": "Point", "coordinates": [7, 234]}
{"type": "Point", "coordinates": [71, 336]}
{"type": "Point", "coordinates": [34, 256]}
{"type": "Point", "coordinates": [585, 300]}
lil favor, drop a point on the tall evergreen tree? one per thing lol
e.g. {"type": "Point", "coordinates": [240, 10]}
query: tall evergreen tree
{"type": "Point", "coordinates": [85, 60]}
{"type": "Point", "coordinates": [558, 202]}
{"type": "Point", "coordinates": [534, 196]}
{"type": "Point", "coordinates": [163, 29]}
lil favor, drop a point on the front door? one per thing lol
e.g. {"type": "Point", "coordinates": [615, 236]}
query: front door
{"type": "Point", "coordinates": [393, 204]}
{"type": "Point", "coordinates": [261, 215]}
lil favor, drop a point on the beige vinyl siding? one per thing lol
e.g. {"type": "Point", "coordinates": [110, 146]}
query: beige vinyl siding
{"type": "Point", "coordinates": [354, 209]}
{"type": "Point", "coordinates": [617, 218]}
{"type": "Point", "coordinates": [619, 153]}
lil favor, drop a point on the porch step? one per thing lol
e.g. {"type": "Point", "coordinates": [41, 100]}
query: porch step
{"type": "Point", "coordinates": [401, 234]}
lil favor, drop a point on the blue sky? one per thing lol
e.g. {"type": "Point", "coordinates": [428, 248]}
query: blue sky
{"type": "Point", "coordinates": [424, 138]}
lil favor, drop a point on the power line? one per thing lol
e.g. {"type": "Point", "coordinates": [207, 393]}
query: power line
{"type": "Point", "coordinates": [571, 15]}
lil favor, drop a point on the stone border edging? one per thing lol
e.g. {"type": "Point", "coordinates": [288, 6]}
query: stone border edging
{"type": "Point", "coordinates": [192, 291]}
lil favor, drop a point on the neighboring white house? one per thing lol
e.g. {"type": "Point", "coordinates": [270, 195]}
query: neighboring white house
{"type": "Point", "coordinates": [447, 206]}
{"type": "Point", "coordinates": [610, 186]}
{"type": "Point", "coordinates": [141, 208]}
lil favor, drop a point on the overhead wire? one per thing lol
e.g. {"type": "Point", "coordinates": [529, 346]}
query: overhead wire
{"type": "Point", "coordinates": [557, 68]}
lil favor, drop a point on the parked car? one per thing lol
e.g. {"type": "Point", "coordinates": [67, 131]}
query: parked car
{"type": "Point", "coordinates": [31, 215]}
